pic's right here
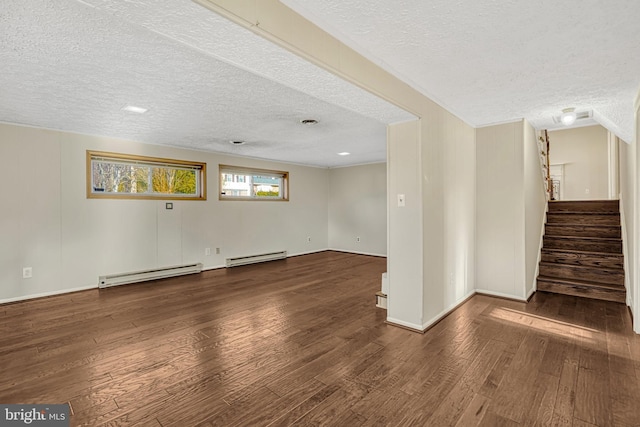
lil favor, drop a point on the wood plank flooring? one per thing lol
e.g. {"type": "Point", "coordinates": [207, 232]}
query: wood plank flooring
{"type": "Point", "coordinates": [300, 342]}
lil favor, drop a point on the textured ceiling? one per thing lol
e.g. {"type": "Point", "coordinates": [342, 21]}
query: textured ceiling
{"type": "Point", "coordinates": [492, 61]}
{"type": "Point", "coordinates": [72, 65]}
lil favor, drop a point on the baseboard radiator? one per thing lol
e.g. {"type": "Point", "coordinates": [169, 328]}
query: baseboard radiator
{"type": "Point", "coordinates": [142, 276]}
{"type": "Point", "coordinates": [252, 259]}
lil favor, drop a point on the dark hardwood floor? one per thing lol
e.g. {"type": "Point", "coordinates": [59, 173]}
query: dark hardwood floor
{"type": "Point", "coordinates": [300, 342]}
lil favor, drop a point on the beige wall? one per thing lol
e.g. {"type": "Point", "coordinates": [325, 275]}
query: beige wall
{"type": "Point", "coordinates": [358, 208]}
{"type": "Point", "coordinates": [47, 222]}
{"type": "Point", "coordinates": [584, 154]}
{"type": "Point", "coordinates": [629, 158]}
{"type": "Point", "coordinates": [500, 212]}
{"type": "Point", "coordinates": [449, 208]}
{"type": "Point", "coordinates": [511, 205]}
{"type": "Point", "coordinates": [405, 267]}
{"type": "Point", "coordinates": [630, 215]}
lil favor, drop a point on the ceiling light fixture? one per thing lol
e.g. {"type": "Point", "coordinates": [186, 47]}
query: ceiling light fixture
{"type": "Point", "coordinates": [309, 122]}
{"type": "Point", "coordinates": [568, 116]}
{"type": "Point", "coordinates": [134, 109]}
{"type": "Point", "coordinates": [344, 153]}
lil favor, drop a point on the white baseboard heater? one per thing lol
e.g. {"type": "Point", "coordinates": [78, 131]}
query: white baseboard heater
{"type": "Point", "coordinates": [144, 275]}
{"type": "Point", "coordinates": [252, 259]}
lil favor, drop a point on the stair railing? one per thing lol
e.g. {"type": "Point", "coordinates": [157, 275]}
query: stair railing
{"type": "Point", "coordinates": [543, 148]}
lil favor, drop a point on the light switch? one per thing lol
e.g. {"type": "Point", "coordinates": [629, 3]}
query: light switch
{"type": "Point", "coordinates": [400, 200]}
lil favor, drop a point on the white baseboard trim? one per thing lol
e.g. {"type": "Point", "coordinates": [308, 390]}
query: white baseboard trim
{"type": "Point", "coordinates": [216, 267]}
{"type": "Point", "coordinates": [532, 291]}
{"type": "Point", "coordinates": [428, 324]}
{"type": "Point", "coordinates": [47, 294]}
{"type": "Point", "coordinates": [397, 322]}
{"type": "Point", "coordinates": [213, 267]}
{"type": "Point", "coordinates": [357, 252]}
{"type": "Point", "coordinates": [500, 295]}
{"type": "Point", "coordinates": [444, 313]}
{"type": "Point", "coordinates": [315, 251]}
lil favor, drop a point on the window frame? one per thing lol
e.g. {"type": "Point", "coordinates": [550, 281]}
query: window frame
{"type": "Point", "coordinates": [200, 167]}
{"type": "Point", "coordinates": [244, 170]}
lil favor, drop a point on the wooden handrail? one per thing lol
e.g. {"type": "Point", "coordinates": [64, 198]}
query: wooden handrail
{"type": "Point", "coordinates": [549, 181]}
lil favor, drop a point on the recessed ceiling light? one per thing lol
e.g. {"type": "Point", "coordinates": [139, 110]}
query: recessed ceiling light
{"type": "Point", "coordinates": [134, 109]}
{"type": "Point", "coordinates": [236, 142]}
{"type": "Point", "coordinates": [309, 122]}
{"type": "Point", "coordinates": [568, 116]}
{"type": "Point", "coordinates": [344, 153]}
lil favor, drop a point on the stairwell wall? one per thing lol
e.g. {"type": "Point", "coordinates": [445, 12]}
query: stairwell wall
{"type": "Point", "coordinates": [535, 206]}
{"type": "Point", "coordinates": [500, 266]}
{"type": "Point", "coordinates": [511, 205]}
{"type": "Point", "coordinates": [629, 157]}
{"type": "Point", "coordinates": [584, 153]}
{"type": "Point", "coordinates": [627, 174]}
{"type": "Point", "coordinates": [633, 218]}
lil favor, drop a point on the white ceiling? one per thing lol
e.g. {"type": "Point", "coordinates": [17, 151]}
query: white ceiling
{"type": "Point", "coordinates": [492, 61]}
{"type": "Point", "coordinates": [72, 65]}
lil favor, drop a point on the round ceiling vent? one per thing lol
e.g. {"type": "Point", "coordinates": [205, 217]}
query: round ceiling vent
{"type": "Point", "coordinates": [309, 122]}
{"type": "Point", "coordinates": [237, 142]}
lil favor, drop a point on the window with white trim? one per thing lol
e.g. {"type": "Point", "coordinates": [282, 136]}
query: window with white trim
{"type": "Point", "coordinates": [241, 183]}
{"type": "Point", "coordinates": [124, 176]}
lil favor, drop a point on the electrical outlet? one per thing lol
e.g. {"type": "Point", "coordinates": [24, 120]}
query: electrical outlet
{"type": "Point", "coordinates": [309, 239]}
{"type": "Point", "coordinates": [207, 251]}
{"type": "Point", "coordinates": [27, 273]}
{"type": "Point", "coordinates": [357, 239]}
{"type": "Point", "coordinates": [217, 251]}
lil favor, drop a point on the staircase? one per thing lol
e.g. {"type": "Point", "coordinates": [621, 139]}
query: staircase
{"type": "Point", "coordinates": [582, 250]}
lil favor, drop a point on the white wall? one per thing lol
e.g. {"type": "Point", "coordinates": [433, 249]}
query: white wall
{"type": "Point", "coordinates": [627, 214]}
{"type": "Point", "coordinates": [449, 207]}
{"type": "Point", "coordinates": [584, 154]}
{"type": "Point", "coordinates": [511, 204]}
{"type": "Point", "coordinates": [634, 280]}
{"type": "Point", "coordinates": [535, 203]}
{"type": "Point", "coordinates": [500, 266]}
{"type": "Point", "coordinates": [47, 222]}
{"type": "Point", "coordinates": [404, 261]}
{"type": "Point", "coordinates": [630, 216]}
{"type": "Point", "coordinates": [358, 208]}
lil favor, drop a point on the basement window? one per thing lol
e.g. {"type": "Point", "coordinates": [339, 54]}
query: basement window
{"type": "Point", "coordinates": [241, 183]}
{"type": "Point", "coordinates": [124, 176]}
